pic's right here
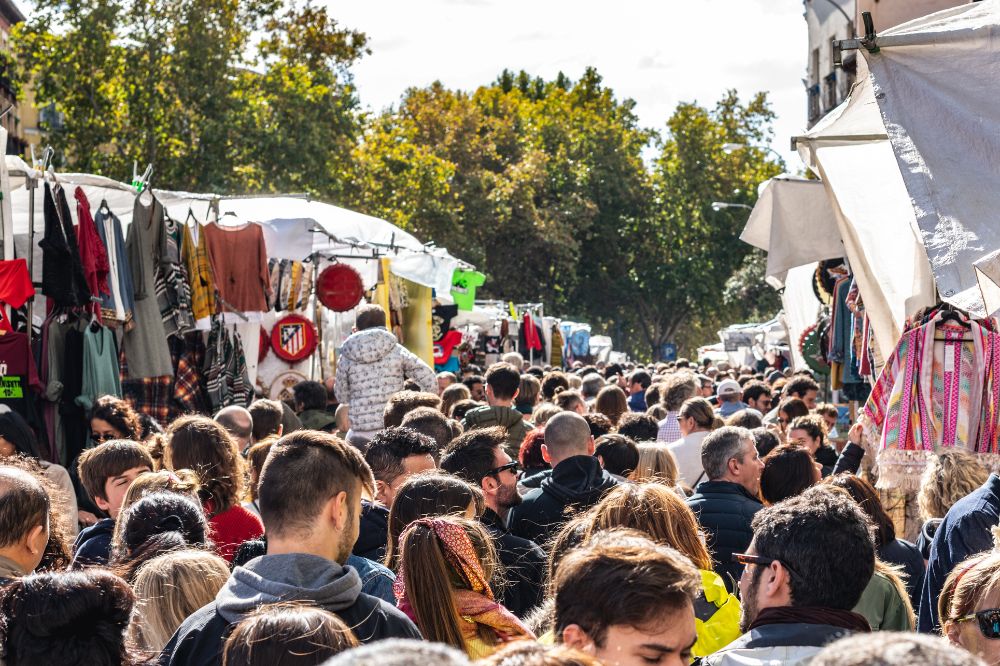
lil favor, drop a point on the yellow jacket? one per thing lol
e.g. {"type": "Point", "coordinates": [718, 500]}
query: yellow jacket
{"type": "Point", "coordinates": [716, 615]}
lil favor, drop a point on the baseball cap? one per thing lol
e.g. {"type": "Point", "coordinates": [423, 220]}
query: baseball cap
{"type": "Point", "coordinates": [728, 387]}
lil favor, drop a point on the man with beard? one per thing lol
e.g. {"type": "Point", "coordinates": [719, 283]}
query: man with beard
{"type": "Point", "coordinates": [479, 457]}
{"type": "Point", "coordinates": [810, 559]}
{"type": "Point", "coordinates": [310, 499]}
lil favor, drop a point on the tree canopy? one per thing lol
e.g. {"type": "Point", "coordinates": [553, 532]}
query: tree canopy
{"type": "Point", "coordinates": [551, 187]}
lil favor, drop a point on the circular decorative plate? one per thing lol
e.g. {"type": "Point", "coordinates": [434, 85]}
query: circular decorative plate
{"type": "Point", "coordinates": [339, 287]}
{"type": "Point", "coordinates": [293, 338]}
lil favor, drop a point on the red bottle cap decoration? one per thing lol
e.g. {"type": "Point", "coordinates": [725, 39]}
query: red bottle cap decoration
{"type": "Point", "coordinates": [293, 338]}
{"type": "Point", "coordinates": [339, 287]}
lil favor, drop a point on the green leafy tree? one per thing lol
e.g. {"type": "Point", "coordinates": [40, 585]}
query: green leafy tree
{"type": "Point", "coordinates": [182, 85]}
{"type": "Point", "coordinates": [684, 252]}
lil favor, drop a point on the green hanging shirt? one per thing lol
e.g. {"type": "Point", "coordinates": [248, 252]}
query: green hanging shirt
{"type": "Point", "coordinates": [463, 287]}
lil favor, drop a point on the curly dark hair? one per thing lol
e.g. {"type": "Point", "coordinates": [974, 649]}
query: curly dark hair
{"type": "Point", "coordinates": [119, 415]}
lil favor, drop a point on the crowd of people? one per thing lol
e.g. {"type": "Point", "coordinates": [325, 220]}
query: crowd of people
{"type": "Point", "coordinates": [513, 515]}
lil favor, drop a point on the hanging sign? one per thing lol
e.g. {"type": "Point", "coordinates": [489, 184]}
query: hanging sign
{"type": "Point", "coordinates": [293, 338]}
{"type": "Point", "coordinates": [339, 287]}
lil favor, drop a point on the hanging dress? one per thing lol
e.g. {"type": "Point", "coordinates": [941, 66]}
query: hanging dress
{"type": "Point", "coordinates": [145, 345]}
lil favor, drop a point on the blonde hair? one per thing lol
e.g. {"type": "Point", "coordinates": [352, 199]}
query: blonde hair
{"type": "Point", "coordinates": [656, 511]}
{"type": "Point", "coordinates": [968, 584]}
{"type": "Point", "coordinates": [949, 476]}
{"type": "Point", "coordinates": [168, 589]}
{"type": "Point", "coordinates": [656, 465]}
{"type": "Point", "coordinates": [183, 482]}
{"type": "Point", "coordinates": [543, 412]}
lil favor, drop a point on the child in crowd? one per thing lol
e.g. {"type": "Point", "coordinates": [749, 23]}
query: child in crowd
{"type": "Point", "coordinates": [106, 472]}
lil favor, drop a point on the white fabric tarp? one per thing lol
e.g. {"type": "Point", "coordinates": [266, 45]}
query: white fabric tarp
{"type": "Point", "coordinates": [936, 81]}
{"type": "Point", "coordinates": [849, 150]}
{"type": "Point", "coordinates": [800, 308]}
{"type": "Point", "coordinates": [287, 221]}
{"type": "Point", "coordinates": [793, 221]}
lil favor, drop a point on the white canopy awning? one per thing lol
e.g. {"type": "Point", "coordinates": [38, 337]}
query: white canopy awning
{"type": "Point", "coordinates": [936, 81]}
{"type": "Point", "coordinates": [294, 227]}
{"type": "Point", "coordinates": [849, 150]}
{"type": "Point", "coordinates": [793, 221]}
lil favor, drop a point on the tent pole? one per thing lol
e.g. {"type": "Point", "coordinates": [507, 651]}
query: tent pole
{"type": "Point", "coordinates": [31, 184]}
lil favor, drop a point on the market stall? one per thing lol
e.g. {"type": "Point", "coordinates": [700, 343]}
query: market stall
{"type": "Point", "coordinates": [187, 302]}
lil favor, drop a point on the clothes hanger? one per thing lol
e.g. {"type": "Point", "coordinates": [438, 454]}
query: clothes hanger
{"type": "Point", "coordinates": [104, 208]}
{"type": "Point", "coordinates": [190, 216]}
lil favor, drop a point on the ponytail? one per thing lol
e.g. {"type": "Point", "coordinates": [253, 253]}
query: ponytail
{"type": "Point", "coordinates": [429, 588]}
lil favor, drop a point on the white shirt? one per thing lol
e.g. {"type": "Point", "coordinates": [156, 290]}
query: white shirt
{"type": "Point", "coordinates": [687, 452]}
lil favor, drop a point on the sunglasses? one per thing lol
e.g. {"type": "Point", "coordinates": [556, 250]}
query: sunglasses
{"type": "Point", "coordinates": [989, 622]}
{"type": "Point", "coordinates": [746, 559]}
{"type": "Point", "coordinates": [511, 466]}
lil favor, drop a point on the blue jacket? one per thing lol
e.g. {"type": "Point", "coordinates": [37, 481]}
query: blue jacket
{"type": "Point", "coordinates": [964, 532]}
{"type": "Point", "coordinates": [637, 402]}
{"type": "Point", "coordinates": [724, 510]}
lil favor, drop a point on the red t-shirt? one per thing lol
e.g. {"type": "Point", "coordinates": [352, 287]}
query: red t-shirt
{"type": "Point", "coordinates": [15, 287]}
{"type": "Point", "coordinates": [231, 528]}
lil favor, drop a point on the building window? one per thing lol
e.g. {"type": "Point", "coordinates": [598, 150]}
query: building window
{"type": "Point", "coordinates": [830, 98]}
{"type": "Point", "coordinates": [814, 110]}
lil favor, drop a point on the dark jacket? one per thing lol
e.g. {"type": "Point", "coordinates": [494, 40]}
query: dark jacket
{"type": "Point", "coordinates": [374, 534]}
{"type": "Point", "coordinates": [906, 555]}
{"type": "Point", "coordinates": [533, 478]}
{"type": "Point", "coordinates": [926, 537]}
{"type": "Point", "coordinates": [318, 419]}
{"type": "Point", "coordinates": [575, 485]}
{"type": "Point", "coordinates": [637, 402]}
{"type": "Point", "coordinates": [964, 532]}
{"type": "Point", "coordinates": [277, 578]}
{"type": "Point", "coordinates": [827, 457]}
{"type": "Point", "coordinates": [850, 459]}
{"type": "Point", "coordinates": [724, 510]}
{"type": "Point", "coordinates": [508, 418]}
{"type": "Point", "coordinates": [93, 545]}
{"type": "Point", "coordinates": [790, 644]}
{"type": "Point", "coordinates": [524, 566]}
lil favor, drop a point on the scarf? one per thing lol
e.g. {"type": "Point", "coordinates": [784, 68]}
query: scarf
{"type": "Point", "coordinates": [475, 604]}
{"type": "Point", "coordinates": [933, 395]}
{"type": "Point", "coordinates": [812, 615]}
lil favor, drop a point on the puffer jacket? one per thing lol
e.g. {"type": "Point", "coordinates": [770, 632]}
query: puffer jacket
{"type": "Point", "coordinates": [371, 368]}
{"type": "Point", "coordinates": [508, 418]}
{"type": "Point", "coordinates": [724, 511]}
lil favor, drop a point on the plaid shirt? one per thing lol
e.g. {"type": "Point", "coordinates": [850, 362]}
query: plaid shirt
{"type": "Point", "coordinates": [149, 395]}
{"type": "Point", "coordinates": [188, 354]}
{"type": "Point", "coordinates": [670, 430]}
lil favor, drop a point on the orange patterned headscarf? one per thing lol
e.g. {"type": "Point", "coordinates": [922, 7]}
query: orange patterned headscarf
{"type": "Point", "coordinates": [475, 604]}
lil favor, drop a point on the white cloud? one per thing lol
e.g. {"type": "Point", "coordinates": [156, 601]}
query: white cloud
{"type": "Point", "coordinates": [657, 52]}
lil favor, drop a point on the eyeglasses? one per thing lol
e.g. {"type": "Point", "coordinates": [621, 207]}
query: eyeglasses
{"type": "Point", "coordinates": [989, 622]}
{"type": "Point", "coordinates": [746, 559]}
{"type": "Point", "coordinates": [511, 466]}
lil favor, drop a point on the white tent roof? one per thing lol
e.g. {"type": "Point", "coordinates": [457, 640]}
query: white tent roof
{"type": "Point", "coordinates": [288, 222]}
{"type": "Point", "coordinates": [850, 153]}
{"type": "Point", "coordinates": [936, 80]}
{"type": "Point", "coordinates": [910, 162]}
{"type": "Point", "coordinates": [793, 221]}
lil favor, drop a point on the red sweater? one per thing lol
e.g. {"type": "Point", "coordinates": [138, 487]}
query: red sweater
{"type": "Point", "coordinates": [231, 528]}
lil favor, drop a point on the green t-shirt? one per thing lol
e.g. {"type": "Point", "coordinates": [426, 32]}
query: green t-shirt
{"type": "Point", "coordinates": [463, 287]}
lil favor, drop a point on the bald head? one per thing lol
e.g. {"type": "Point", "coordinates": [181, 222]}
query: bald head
{"type": "Point", "coordinates": [567, 434]}
{"type": "Point", "coordinates": [24, 508]}
{"type": "Point", "coordinates": [238, 422]}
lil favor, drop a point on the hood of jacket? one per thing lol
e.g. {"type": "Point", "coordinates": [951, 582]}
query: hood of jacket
{"type": "Point", "coordinates": [317, 419]}
{"type": "Point", "coordinates": [369, 346]}
{"type": "Point", "coordinates": [578, 480]}
{"type": "Point", "coordinates": [508, 417]}
{"type": "Point", "coordinates": [291, 577]}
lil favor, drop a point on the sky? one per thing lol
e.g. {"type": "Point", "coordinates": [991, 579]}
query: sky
{"type": "Point", "coordinates": [656, 52]}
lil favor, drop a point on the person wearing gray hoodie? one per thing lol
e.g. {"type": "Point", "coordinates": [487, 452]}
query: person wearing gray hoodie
{"type": "Point", "coordinates": [371, 367]}
{"type": "Point", "coordinates": [310, 497]}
